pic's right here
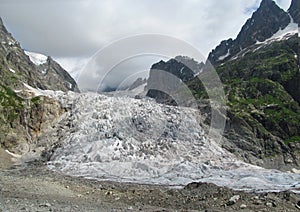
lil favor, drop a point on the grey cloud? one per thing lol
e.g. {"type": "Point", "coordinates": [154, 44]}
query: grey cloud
{"type": "Point", "coordinates": [76, 28]}
{"type": "Point", "coordinates": [114, 63]}
{"type": "Point", "coordinates": [72, 30]}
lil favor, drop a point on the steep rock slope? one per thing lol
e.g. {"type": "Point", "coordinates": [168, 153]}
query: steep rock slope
{"type": "Point", "coordinates": [262, 84]}
{"type": "Point", "coordinates": [17, 67]}
{"type": "Point", "coordinates": [23, 116]}
{"type": "Point", "coordinates": [294, 10]}
{"type": "Point", "coordinates": [266, 21]}
{"type": "Point", "coordinates": [183, 69]}
{"type": "Point", "coordinates": [263, 98]}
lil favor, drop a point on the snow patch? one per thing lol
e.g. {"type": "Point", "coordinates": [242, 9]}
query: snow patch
{"type": "Point", "coordinates": [139, 91]}
{"type": "Point", "coordinates": [39, 92]}
{"type": "Point", "coordinates": [197, 73]}
{"type": "Point", "coordinates": [224, 56]}
{"type": "Point", "coordinates": [283, 34]}
{"type": "Point", "coordinates": [11, 43]}
{"type": "Point", "coordinates": [290, 30]}
{"type": "Point", "coordinates": [181, 70]}
{"type": "Point", "coordinates": [11, 70]}
{"type": "Point", "coordinates": [13, 154]}
{"type": "Point", "coordinates": [36, 92]}
{"type": "Point", "coordinates": [36, 58]}
{"type": "Point", "coordinates": [69, 85]}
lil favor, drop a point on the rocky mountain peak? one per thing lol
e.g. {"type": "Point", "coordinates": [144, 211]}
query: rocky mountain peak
{"type": "Point", "coordinates": [169, 76]}
{"type": "Point", "coordinates": [184, 68]}
{"type": "Point", "coordinates": [39, 71]}
{"type": "Point", "coordinates": [264, 22]}
{"type": "Point", "coordinates": [266, 3]}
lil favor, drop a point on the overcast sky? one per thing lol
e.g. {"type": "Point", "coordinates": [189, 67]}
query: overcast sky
{"type": "Point", "coordinates": [72, 29]}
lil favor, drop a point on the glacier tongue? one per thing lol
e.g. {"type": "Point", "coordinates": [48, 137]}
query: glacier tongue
{"type": "Point", "coordinates": [130, 140]}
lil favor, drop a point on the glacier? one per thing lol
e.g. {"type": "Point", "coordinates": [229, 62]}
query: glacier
{"type": "Point", "coordinates": [119, 138]}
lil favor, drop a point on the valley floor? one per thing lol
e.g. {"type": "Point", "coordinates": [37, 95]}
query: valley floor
{"type": "Point", "coordinates": [32, 187]}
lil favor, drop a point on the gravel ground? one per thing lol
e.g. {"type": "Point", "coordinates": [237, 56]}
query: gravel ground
{"type": "Point", "coordinates": [32, 187]}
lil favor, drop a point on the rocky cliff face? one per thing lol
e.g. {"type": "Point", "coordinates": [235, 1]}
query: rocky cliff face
{"type": "Point", "coordinates": [24, 117]}
{"type": "Point", "coordinates": [264, 110]}
{"type": "Point", "coordinates": [294, 10]}
{"type": "Point", "coordinates": [260, 72]}
{"type": "Point", "coordinates": [265, 22]}
{"type": "Point", "coordinates": [55, 77]}
{"type": "Point", "coordinates": [262, 84]}
{"type": "Point", "coordinates": [18, 68]}
{"type": "Point", "coordinates": [24, 120]}
{"type": "Point", "coordinates": [169, 76]}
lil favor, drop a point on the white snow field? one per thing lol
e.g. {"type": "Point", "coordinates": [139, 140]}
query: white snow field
{"type": "Point", "coordinates": [137, 140]}
{"type": "Point", "coordinates": [36, 58]}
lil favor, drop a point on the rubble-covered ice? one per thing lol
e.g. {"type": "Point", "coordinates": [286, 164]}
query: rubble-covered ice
{"type": "Point", "coordinates": [137, 140]}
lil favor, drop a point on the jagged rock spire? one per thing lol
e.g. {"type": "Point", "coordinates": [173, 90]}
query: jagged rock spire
{"type": "Point", "coordinates": [265, 22]}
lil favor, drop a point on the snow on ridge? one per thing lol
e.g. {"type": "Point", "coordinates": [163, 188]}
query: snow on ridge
{"type": "Point", "coordinates": [290, 29]}
{"type": "Point", "coordinates": [36, 58]}
{"type": "Point", "coordinates": [283, 34]}
{"type": "Point", "coordinates": [224, 56]}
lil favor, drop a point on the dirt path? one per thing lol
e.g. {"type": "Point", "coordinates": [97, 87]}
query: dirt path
{"type": "Point", "coordinates": [34, 188]}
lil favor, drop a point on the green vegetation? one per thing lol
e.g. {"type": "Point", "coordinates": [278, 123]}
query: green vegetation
{"type": "Point", "coordinates": [13, 110]}
{"type": "Point", "coordinates": [11, 104]}
{"type": "Point", "coordinates": [261, 87]}
{"type": "Point", "coordinates": [292, 139]}
{"type": "Point", "coordinates": [35, 100]}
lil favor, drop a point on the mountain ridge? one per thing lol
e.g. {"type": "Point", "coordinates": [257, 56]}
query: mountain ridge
{"type": "Point", "coordinates": [262, 86]}
{"type": "Point", "coordinates": [264, 22]}
{"type": "Point", "coordinates": [24, 117]}
{"type": "Point", "coordinates": [49, 76]}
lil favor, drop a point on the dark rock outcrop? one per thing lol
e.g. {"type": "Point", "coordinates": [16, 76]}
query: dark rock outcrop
{"type": "Point", "coordinates": [167, 78]}
{"type": "Point", "coordinates": [294, 10]}
{"type": "Point", "coordinates": [56, 77]}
